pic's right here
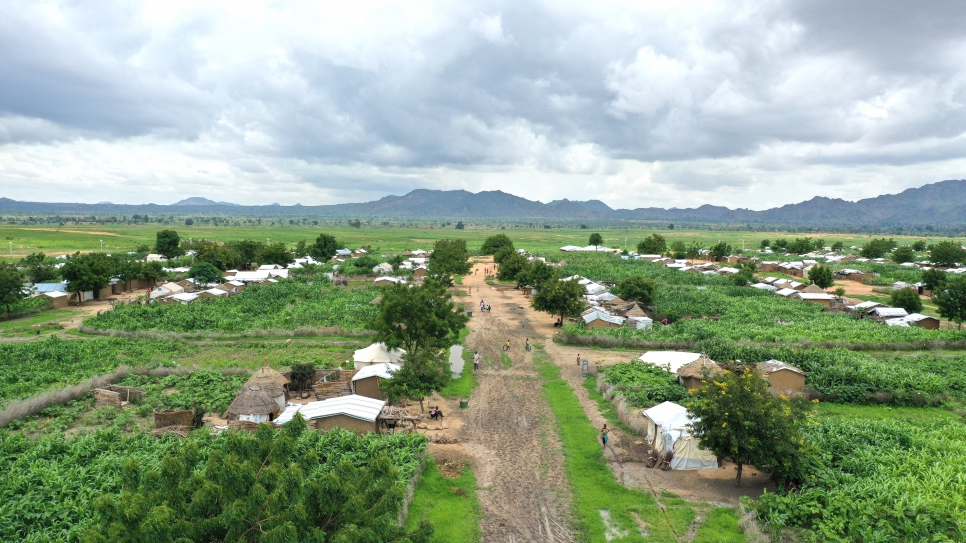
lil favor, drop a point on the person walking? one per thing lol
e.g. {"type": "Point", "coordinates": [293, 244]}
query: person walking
{"type": "Point", "coordinates": [527, 346]}
{"type": "Point", "coordinates": [578, 359]}
{"type": "Point", "coordinates": [604, 435]}
{"type": "Point", "coordinates": [482, 305]}
{"type": "Point", "coordinates": [507, 346]}
{"type": "Point", "coordinates": [476, 361]}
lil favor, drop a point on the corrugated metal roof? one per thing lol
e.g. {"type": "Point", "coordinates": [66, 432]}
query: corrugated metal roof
{"type": "Point", "coordinates": [595, 315]}
{"type": "Point", "coordinates": [376, 370]}
{"type": "Point", "coordinates": [355, 406]}
{"type": "Point", "coordinates": [771, 366]}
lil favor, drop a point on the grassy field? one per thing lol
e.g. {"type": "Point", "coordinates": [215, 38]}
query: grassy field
{"type": "Point", "coordinates": [53, 240]}
{"type": "Point", "coordinates": [449, 504]}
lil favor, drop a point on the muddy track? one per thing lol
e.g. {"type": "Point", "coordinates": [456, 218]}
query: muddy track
{"type": "Point", "coordinates": [524, 495]}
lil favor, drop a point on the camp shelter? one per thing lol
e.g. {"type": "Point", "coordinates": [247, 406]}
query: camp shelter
{"type": "Point", "coordinates": [823, 298]}
{"type": "Point", "coordinates": [691, 374]}
{"type": "Point", "coordinates": [58, 299]}
{"type": "Point", "coordinates": [922, 321]}
{"type": "Point", "coordinates": [356, 413]}
{"type": "Point", "coordinates": [635, 311]}
{"type": "Point", "coordinates": [366, 381]}
{"type": "Point", "coordinates": [255, 404]}
{"type": "Point", "coordinates": [673, 360]}
{"type": "Point", "coordinates": [781, 376]}
{"type": "Point", "coordinates": [813, 289]}
{"type": "Point", "coordinates": [377, 353]}
{"type": "Point", "coordinates": [667, 431]}
{"type": "Point", "coordinates": [600, 319]}
{"type": "Point", "coordinates": [266, 376]}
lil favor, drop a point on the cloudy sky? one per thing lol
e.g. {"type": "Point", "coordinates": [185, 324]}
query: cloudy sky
{"type": "Point", "coordinates": [640, 103]}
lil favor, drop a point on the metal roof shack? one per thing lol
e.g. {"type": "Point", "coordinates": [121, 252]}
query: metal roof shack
{"type": "Point", "coordinates": [771, 366]}
{"type": "Point", "coordinates": [353, 406]}
{"type": "Point", "coordinates": [672, 359]}
{"type": "Point", "coordinates": [383, 371]}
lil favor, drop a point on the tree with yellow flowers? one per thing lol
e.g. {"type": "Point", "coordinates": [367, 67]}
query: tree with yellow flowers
{"type": "Point", "coordinates": [742, 420]}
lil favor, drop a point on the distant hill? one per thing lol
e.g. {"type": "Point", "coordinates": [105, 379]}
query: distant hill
{"type": "Point", "coordinates": [940, 205]}
{"type": "Point", "coordinates": [199, 201]}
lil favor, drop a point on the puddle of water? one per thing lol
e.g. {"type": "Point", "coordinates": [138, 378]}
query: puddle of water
{"type": "Point", "coordinates": [456, 360]}
{"type": "Point", "coordinates": [611, 530]}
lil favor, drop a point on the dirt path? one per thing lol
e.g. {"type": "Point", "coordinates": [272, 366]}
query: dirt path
{"type": "Point", "coordinates": [509, 431]}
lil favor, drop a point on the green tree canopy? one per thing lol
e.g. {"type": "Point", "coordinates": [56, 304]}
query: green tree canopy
{"type": "Point", "coordinates": [494, 243]}
{"type": "Point", "coordinates": [596, 240]}
{"type": "Point", "coordinates": [800, 246]}
{"type": "Point", "coordinates": [450, 257]}
{"type": "Point", "coordinates": [560, 298]}
{"type": "Point", "coordinates": [655, 244]}
{"type": "Point", "coordinates": [460, 225]}
{"type": "Point", "coordinates": [907, 299]}
{"type": "Point", "coordinates": [217, 254]}
{"type": "Point", "coordinates": [167, 244]}
{"type": "Point", "coordinates": [740, 419]}
{"type": "Point", "coordinates": [947, 253]}
{"type": "Point", "coordinates": [919, 245]}
{"type": "Point", "coordinates": [877, 248]}
{"type": "Point", "coordinates": [720, 250]}
{"type": "Point", "coordinates": [324, 247]}
{"type": "Point", "coordinates": [204, 274]}
{"type": "Point", "coordinates": [636, 289]}
{"type": "Point", "coordinates": [421, 319]}
{"type": "Point", "coordinates": [276, 253]}
{"type": "Point", "coordinates": [536, 274]}
{"type": "Point", "coordinates": [903, 253]}
{"type": "Point", "coordinates": [951, 300]}
{"type": "Point", "coordinates": [503, 254]}
{"type": "Point", "coordinates": [934, 278]}
{"type": "Point", "coordinates": [821, 275]}
{"type": "Point", "coordinates": [838, 246]}
{"type": "Point", "coordinates": [511, 264]}
{"type": "Point", "coordinates": [255, 488]}
{"type": "Point", "coordinates": [693, 250]}
{"type": "Point", "coordinates": [38, 269]}
{"type": "Point", "coordinates": [417, 378]}
{"type": "Point", "coordinates": [678, 249]}
{"type": "Point", "coordinates": [11, 286]}
{"type": "Point", "coordinates": [247, 251]}
{"type": "Point", "coordinates": [765, 244]}
{"type": "Point", "coordinates": [87, 272]}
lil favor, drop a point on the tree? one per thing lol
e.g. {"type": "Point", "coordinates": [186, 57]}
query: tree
{"type": "Point", "coordinates": [263, 487]}
{"type": "Point", "coordinates": [678, 249]}
{"type": "Point", "coordinates": [947, 253]}
{"type": "Point", "coordinates": [877, 248]}
{"type": "Point", "coordinates": [907, 299]}
{"type": "Point", "coordinates": [537, 274]}
{"type": "Point", "coordinates": [800, 246]}
{"type": "Point", "coordinates": [636, 289]}
{"type": "Point", "coordinates": [560, 298]}
{"type": "Point", "coordinates": [189, 222]}
{"type": "Point", "coordinates": [919, 245]}
{"type": "Point", "coordinates": [596, 240]}
{"type": "Point", "coordinates": [301, 375]}
{"type": "Point", "coordinates": [494, 243]}
{"type": "Point", "coordinates": [821, 276]}
{"type": "Point", "coordinates": [87, 272]}
{"type": "Point", "coordinates": [276, 253]}
{"type": "Point", "coordinates": [818, 244]}
{"type": "Point", "coordinates": [37, 268]}
{"type": "Point", "coordinates": [903, 253]}
{"type": "Point", "coordinates": [933, 279]}
{"type": "Point", "coordinates": [838, 246]}
{"type": "Point", "coordinates": [11, 286]}
{"type": "Point", "coordinates": [301, 249]}
{"type": "Point", "coordinates": [450, 257]}
{"type": "Point", "coordinates": [503, 254]}
{"type": "Point", "coordinates": [654, 244]}
{"type": "Point", "coordinates": [418, 378]}
{"type": "Point", "coordinates": [720, 250]}
{"type": "Point", "coordinates": [460, 225]}
{"type": "Point", "coordinates": [167, 244]}
{"type": "Point", "coordinates": [204, 274]}
{"type": "Point", "coordinates": [217, 254]}
{"type": "Point", "coordinates": [421, 319]}
{"type": "Point", "coordinates": [737, 417]}
{"type": "Point", "coordinates": [247, 251]}
{"type": "Point", "coordinates": [765, 244]}
{"type": "Point", "coordinates": [780, 243]}
{"type": "Point", "coordinates": [694, 250]}
{"type": "Point", "coordinates": [951, 300]}
{"type": "Point", "coordinates": [324, 247]}
{"type": "Point", "coordinates": [511, 264]}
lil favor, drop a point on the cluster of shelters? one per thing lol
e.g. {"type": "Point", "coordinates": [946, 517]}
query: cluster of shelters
{"type": "Point", "coordinates": [607, 310]}
{"type": "Point", "coordinates": [187, 291]}
{"type": "Point", "coordinates": [893, 316]}
{"type": "Point", "coordinates": [588, 249]}
{"type": "Point", "coordinates": [690, 369]}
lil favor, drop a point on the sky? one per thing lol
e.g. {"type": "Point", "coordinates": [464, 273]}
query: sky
{"type": "Point", "coordinates": [642, 103]}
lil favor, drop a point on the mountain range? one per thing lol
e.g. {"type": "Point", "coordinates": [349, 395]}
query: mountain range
{"type": "Point", "coordinates": [941, 204]}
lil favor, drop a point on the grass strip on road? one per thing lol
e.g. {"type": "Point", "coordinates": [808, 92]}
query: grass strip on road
{"type": "Point", "coordinates": [467, 382]}
{"type": "Point", "coordinates": [449, 504]}
{"type": "Point", "coordinates": [594, 487]}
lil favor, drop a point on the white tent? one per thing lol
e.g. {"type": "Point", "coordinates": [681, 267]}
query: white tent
{"type": "Point", "coordinates": [672, 359]}
{"type": "Point", "coordinates": [377, 353]}
{"type": "Point", "coordinates": [667, 430]}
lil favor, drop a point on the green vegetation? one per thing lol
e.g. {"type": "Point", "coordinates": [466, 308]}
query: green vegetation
{"type": "Point", "coordinates": [11, 287]}
{"type": "Point", "coordinates": [450, 505]}
{"type": "Point", "coordinates": [301, 302]}
{"type": "Point", "coordinates": [951, 300]}
{"type": "Point", "coordinates": [464, 385]}
{"type": "Point", "coordinates": [561, 298]}
{"type": "Point", "coordinates": [209, 390]}
{"type": "Point", "coordinates": [593, 485]}
{"type": "Point", "coordinates": [643, 384]}
{"type": "Point", "coordinates": [907, 299]}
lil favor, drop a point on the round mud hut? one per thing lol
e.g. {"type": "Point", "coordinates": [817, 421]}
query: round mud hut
{"type": "Point", "coordinates": [255, 404]}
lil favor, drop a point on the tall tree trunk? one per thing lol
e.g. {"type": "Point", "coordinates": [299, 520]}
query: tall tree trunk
{"type": "Point", "coordinates": [738, 482]}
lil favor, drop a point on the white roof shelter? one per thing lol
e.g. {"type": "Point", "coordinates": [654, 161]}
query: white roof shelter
{"type": "Point", "coordinates": [764, 286]}
{"type": "Point", "coordinates": [667, 430]}
{"type": "Point", "coordinates": [606, 317]}
{"type": "Point", "coordinates": [355, 406]}
{"type": "Point", "coordinates": [376, 370]}
{"type": "Point", "coordinates": [889, 312]}
{"type": "Point", "coordinates": [674, 360]}
{"type": "Point", "coordinates": [377, 353]}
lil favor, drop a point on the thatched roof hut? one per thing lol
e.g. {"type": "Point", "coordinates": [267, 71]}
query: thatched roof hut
{"type": "Point", "coordinates": [691, 374]}
{"type": "Point", "coordinates": [635, 311]}
{"type": "Point", "coordinates": [254, 403]}
{"type": "Point", "coordinates": [268, 377]}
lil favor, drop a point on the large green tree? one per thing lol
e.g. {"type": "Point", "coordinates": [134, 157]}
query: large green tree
{"type": "Point", "coordinates": [494, 243]}
{"type": "Point", "coordinates": [205, 274]}
{"type": "Point", "coordinates": [167, 244]}
{"type": "Point", "coordinates": [219, 255]}
{"type": "Point", "coordinates": [247, 250]}
{"type": "Point", "coordinates": [636, 288]}
{"type": "Point", "coordinates": [655, 244]}
{"type": "Point", "coordinates": [449, 257]}
{"type": "Point", "coordinates": [254, 488]}
{"type": "Point", "coordinates": [907, 299]}
{"type": "Point", "coordinates": [902, 254]}
{"type": "Point", "coordinates": [947, 253]}
{"type": "Point", "coordinates": [595, 240]}
{"type": "Point", "coordinates": [38, 269]}
{"type": "Point", "coordinates": [536, 274]}
{"type": "Point", "coordinates": [417, 378]}
{"type": "Point", "coordinates": [736, 416]}
{"type": "Point", "coordinates": [420, 319]}
{"type": "Point", "coordinates": [11, 286]}
{"type": "Point", "coordinates": [560, 298]}
{"type": "Point", "coordinates": [934, 278]}
{"type": "Point", "coordinates": [87, 272]}
{"type": "Point", "coordinates": [720, 250]}
{"type": "Point", "coordinates": [800, 246]}
{"type": "Point", "coordinates": [877, 248]}
{"type": "Point", "coordinates": [511, 264]}
{"type": "Point", "coordinates": [951, 300]}
{"type": "Point", "coordinates": [822, 276]}
{"type": "Point", "coordinates": [324, 247]}
{"type": "Point", "coordinates": [276, 253]}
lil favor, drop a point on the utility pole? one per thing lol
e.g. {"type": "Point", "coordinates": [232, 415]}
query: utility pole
{"type": "Point", "coordinates": [102, 246]}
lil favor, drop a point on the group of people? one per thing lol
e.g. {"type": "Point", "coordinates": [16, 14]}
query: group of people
{"type": "Point", "coordinates": [526, 346]}
{"type": "Point", "coordinates": [484, 307]}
